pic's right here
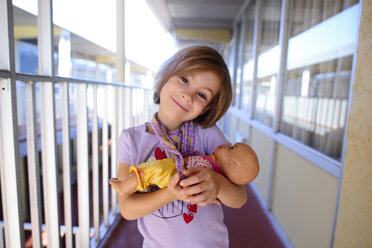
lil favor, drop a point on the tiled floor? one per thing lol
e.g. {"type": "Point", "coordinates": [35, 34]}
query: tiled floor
{"type": "Point", "coordinates": [248, 227]}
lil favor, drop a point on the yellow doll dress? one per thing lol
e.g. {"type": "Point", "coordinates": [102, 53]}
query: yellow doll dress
{"type": "Point", "coordinates": [156, 172]}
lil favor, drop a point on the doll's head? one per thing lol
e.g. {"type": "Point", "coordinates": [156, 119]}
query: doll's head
{"type": "Point", "coordinates": [189, 61]}
{"type": "Point", "coordinates": [237, 162]}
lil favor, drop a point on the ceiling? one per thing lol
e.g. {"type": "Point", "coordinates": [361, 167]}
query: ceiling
{"type": "Point", "coordinates": [204, 17]}
{"type": "Point", "coordinates": [189, 21]}
{"type": "Point", "coordinates": [26, 24]}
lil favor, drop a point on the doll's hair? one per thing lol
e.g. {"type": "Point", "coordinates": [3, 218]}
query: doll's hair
{"type": "Point", "coordinates": [196, 59]}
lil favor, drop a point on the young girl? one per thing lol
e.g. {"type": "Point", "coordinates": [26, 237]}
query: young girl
{"type": "Point", "coordinates": [193, 90]}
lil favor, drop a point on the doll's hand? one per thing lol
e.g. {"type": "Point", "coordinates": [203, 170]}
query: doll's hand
{"type": "Point", "coordinates": [174, 188]}
{"type": "Point", "coordinates": [201, 186]}
{"type": "Point", "coordinates": [126, 186]}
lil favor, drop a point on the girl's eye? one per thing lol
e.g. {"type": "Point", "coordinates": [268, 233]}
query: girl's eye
{"type": "Point", "coordinates": [202, 96]}
{"type": "Point", "coordinates": [184, 80]}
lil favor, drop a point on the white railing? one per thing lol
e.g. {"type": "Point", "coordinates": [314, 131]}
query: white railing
{"type": "Point", "coordinates": [99, 107]}
{"type": "Point", "coordinates": [56, 113]}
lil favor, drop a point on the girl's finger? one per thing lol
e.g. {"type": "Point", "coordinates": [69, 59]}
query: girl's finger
{"type": "Point", "coordinates": [194, 176]}
{"type": "Point", "coordinates": [200, 199]}
{"type": "Point", "coordinates": [194, 189]}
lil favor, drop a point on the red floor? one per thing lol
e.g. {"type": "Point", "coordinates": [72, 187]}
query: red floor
{"type": "Point", "coordinates": [248, 227]}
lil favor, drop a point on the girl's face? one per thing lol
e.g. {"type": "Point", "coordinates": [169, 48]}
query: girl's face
{"type": "Point", "coordinates": [184, 98]}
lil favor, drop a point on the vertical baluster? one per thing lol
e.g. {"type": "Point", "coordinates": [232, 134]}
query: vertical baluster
{"type": "Point", "coordinates": [2, 236]}
{"type": "Point", "coordinates": [47, 121]}
{"type": "Point", "coordinates": [49, 166]}
{"type": "Point", "coordinates": [77, 239]}
{"type": "Point", "coordinates": [33, 164]}
{"type": "Point", "coordinates": [9, 166]}
{"type": "Point", "coordinates": [9, 163]}
{"type": "Point", "coordinates": [120, 109]}
{"type": "Point", "coordinates": [95, 165]}
{"type": "Point", "coordinates": [114, 135]}
{"type": "Point", "coordinates": [82, 164]}
{"type": "Point", "coordinates": [105, 159]}
{"type": "Point", "coordinates": [66, 162]}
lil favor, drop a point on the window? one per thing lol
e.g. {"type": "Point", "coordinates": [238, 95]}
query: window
{"type": "Point", "coordinates": [315, 94]}
{"type": "Point", "coordinates": [248, 60]}
{"type": "Point", "coordinates": [236, 74]}
{"type": "Point", "coordinates": [268, 62]}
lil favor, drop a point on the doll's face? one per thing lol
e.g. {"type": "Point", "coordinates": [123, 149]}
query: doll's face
{"type": "Point", "coordinates": [238, 162]}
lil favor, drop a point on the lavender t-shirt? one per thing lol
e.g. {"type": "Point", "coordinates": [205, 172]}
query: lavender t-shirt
{"type": "Point", "coordinates": [178, 224]}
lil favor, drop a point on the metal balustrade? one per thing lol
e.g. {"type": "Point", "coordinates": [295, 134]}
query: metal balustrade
{"type": "Point", "coordinates": [128, 105]}
{"type": "Point", "coordinates": [74, 125]}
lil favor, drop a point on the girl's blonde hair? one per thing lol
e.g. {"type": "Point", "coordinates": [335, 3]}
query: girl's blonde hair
{"type": "Point", "coordinates": [195, 59]}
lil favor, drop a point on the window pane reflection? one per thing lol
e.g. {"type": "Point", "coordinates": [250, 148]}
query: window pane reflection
{"type": "Point", "coordinates": [315, 95]}
{"type": "Point", "coordinates": [315, 105]}
{"type": "Point", "coordinates": [268, 62]}
{"type": "Point", "coordinates": [245, 102]}
{"type": "Point", "coordinates": [265, 100]}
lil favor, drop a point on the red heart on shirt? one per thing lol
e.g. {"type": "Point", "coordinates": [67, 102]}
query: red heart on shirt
{"type": "Point", "coordinates": [188, 217]}
{"type": "Point", "coordinates": [192, 208]}
{"type": "Point", "coordinates": [159, 154]}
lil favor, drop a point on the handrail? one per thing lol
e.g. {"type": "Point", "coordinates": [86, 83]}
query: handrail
{"type": "Point", "coordinates": [5, 74]}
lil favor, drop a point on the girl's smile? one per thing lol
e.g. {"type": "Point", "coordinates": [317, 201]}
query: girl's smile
{"type": "Point", "coordinates": [179, 105]}
{"type": "Point", "coordinates": [183, 98]}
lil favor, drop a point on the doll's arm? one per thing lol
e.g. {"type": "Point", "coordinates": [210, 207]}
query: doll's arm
{"type": "Point", "coordinates": [136, 206]}
{"type": "Point", "coordinates": [126, 186]}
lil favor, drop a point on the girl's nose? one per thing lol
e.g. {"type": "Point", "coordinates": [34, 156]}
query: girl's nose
{"type": "Point", "coordinates": [186, 96]}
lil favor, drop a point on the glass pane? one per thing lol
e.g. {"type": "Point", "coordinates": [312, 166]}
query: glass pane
{"type": "Point", "coordinates": [265, 100]}
{"type": "Point", "coordinates": [319, 66]}
{"type": "Point", "coordinates": [315, 105]}
{"type": "Point", "coordinates": [238, 76]}
{"type": "Point", "coordinates": [271, 10]}
{"type": "Point", "coordinates": [307, 14]}
{"type": "Point", "coordinates": [248, 59]}
{"type": "Point", "coordinates": [268, 62]}
{"type": "Point", "coordinates": [25, 39]}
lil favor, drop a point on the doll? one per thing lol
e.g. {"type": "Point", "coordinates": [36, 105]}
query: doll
{"type": "Point", "coordinates": [237, 162]}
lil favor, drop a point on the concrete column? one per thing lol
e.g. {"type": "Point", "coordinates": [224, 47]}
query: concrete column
{"type": "Point", "coordinates": [354, 218]}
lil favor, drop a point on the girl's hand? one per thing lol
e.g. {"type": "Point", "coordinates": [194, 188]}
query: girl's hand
{"type": "Point", "coordinates": [174, 188]}
{"type": "Point", "coordinates": [201, 186]}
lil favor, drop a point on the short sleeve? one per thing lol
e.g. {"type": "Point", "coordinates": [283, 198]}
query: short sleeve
{"type": "Point", "coordinates": [123, 148]}
{"type": "Point", "coordinates": [213, 137]}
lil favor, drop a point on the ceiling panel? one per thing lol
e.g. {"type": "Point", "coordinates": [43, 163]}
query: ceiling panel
{"type": "Point", "coordinates": [196, 14]}
{"type": "Point", "coordinates": [202, 10]}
